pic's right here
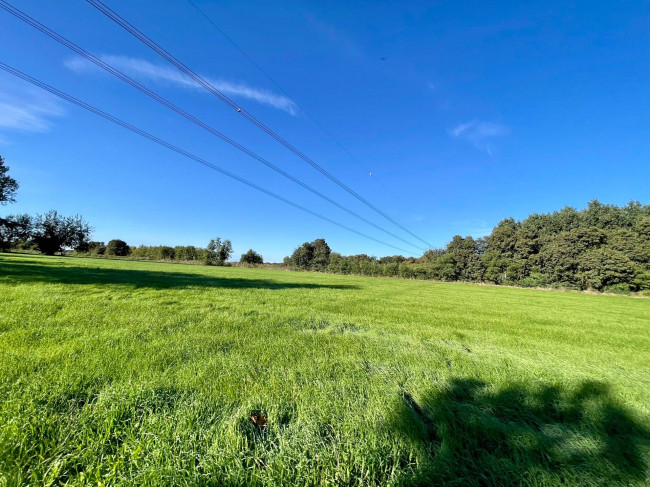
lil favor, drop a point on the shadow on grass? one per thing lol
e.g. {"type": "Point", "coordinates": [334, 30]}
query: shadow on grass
{"type": "Point", "coordinates": [474, 436]}
{"type": "Point", "coordinates": [29, 271]}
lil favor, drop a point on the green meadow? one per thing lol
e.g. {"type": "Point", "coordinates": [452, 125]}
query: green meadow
{"type": "Point", "coordinates": [138, 373]}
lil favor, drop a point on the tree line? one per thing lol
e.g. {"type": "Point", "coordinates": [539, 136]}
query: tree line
{"type": "Point", "coordinates": [217, 252]}
{"type": "Point", "coordinates": [53, 233]}
{"type": "Point", "coordinates": [602, 247]}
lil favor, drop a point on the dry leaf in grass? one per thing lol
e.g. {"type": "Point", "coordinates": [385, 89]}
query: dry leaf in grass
{"type": "Point", "coordinates": [260, 420]}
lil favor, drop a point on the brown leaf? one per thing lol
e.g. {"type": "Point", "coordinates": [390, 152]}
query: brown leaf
{"type": "Point", "coordinates": [260, 420]}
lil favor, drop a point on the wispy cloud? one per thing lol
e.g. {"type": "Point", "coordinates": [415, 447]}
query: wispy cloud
{"type": "Point", "coordinates": [480, 134]}
{"type": "Point", "coordinates": [25, 109]}
{"type": "Point", "coordinates": [141, 69]}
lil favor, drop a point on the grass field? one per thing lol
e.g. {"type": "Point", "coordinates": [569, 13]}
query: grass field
{"type": "Point", "coordinates": [135, 373]}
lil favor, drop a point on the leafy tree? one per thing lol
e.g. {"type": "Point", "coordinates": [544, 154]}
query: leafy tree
{"type": "Point", "coordinates": [302, 256]}
{"type": "Point", "coordinates": [446, 267]}
{"type": "Point", "coordinates": [118, 247]}
{"type": "Point", "coordinates": [602, 216]}
{"type": "Point", "coordinates": [14, 229]}
{"type": "Point", "coordinates": [313, 256]}
{"type": "Point", "coordinates": [321, 257]}
{"type": "Point", "coordinates": [8, 185]}
{"type": "Point", "coordinates": [53, 232]}
{"type": "Point", "coordinates": [396, 259]}
{"type": "Point", "coordinates": [251, 257]}
{"type": "Point", "coordinates": [503, 238]}
{"type": "Point", "coordinates": [218, 251]}
{"type": "Point", "coordinates": [602, 267]}
{"type": "Point", "coordinates": [459, 259]}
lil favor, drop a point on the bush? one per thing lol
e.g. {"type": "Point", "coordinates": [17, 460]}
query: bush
{"type": "Point", "coordinates": [118, 248]}
{"type": "Point", "coordinates": [617, 289]}
{"type": "Point", "coordinates": [251, 257]}
{"type": "Point", "coordinates": [167, 253]}
{"type": "Point", "coordinates": [534, 280]}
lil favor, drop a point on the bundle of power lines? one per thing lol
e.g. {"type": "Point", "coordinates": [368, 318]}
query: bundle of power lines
{"type": "Point", "coordinates": [229, 102]}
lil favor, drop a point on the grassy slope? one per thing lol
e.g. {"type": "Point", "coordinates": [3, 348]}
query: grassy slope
{"type": "Point", "coordinates": [144, 373]}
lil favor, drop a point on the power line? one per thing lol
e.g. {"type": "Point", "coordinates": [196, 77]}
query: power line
{"type": "Point", "coordinates": [183, 68]}
{"type": "Point", "coordinates": [115, 72]}
{"type": "Point", "coordinates": [180, 151]}
{"type": "Point", "coordinates": [282, 90]}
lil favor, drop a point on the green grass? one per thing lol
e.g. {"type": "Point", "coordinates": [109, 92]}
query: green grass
{"type": "Point", "coordinates": [135, 373]}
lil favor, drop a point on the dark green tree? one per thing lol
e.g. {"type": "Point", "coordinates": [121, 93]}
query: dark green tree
{"type": "Point", "coordinates": [321, 257]}
{"type": "Point", "coordinates": [251, 257]}
{"type": "Point", "coordinates": [312, 256]}
{"type": "Point", "coordinates": [54, 233]}
{"type": "Point", "coordinates": [118, 248]}
{"type": "Point", "coordinates": [14, 229]}
{"type": "Point", "coordinates": [8, 185]}
{"type": "Point", "coordinates": [302, 256]}
{"type": "Point", "coordinates": [167, 253]}
{"type": "Point", "coordinates": [602, 267]}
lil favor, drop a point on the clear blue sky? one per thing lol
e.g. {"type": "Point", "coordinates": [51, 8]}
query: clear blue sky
{"type": "Point", "coordinates": [469, 112]}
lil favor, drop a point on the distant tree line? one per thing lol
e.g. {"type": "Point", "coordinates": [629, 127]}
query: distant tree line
{"type": "Point", "coordinates": [53, 233]}
{"type": "Point", "coordinates": [217, 252]}
{"type": "Point", "coordinates": [602, 247]}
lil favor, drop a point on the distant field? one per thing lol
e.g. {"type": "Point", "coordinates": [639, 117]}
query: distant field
{"type": "Point", "coordinates": [136, 373]}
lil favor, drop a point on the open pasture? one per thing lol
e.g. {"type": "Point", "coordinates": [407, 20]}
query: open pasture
{"type": "Point", "coordinates": [136, 373]}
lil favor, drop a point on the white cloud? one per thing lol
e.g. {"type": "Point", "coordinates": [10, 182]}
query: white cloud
{"type": "Point", "coordinates": [25, 109]}
{"type": "Point", "coordinates": [139, 69]}
{"type": "Point", "coordinates": [22, 117]}
{"type": "Point", "coordinates": [480, 133]}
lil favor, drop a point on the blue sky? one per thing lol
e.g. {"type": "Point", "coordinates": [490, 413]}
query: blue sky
{"type": "Point", "coordinates": [464, 112]}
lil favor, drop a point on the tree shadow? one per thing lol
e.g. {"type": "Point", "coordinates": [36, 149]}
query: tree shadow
{"type": "Point", "coordinates": [30, 271]}
{"type": "Point", "coordinates": [473, 436]}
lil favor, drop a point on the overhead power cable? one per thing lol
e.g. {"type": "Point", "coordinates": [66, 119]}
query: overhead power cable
{"type": "Point", "coordinates": [235, 106]}
{"type": "Point", "coordinates": [180, 151]}
{"type": "Point", "coordinates": [119, 74]}
{"type": "Point", "coordinates": [283, 91]}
